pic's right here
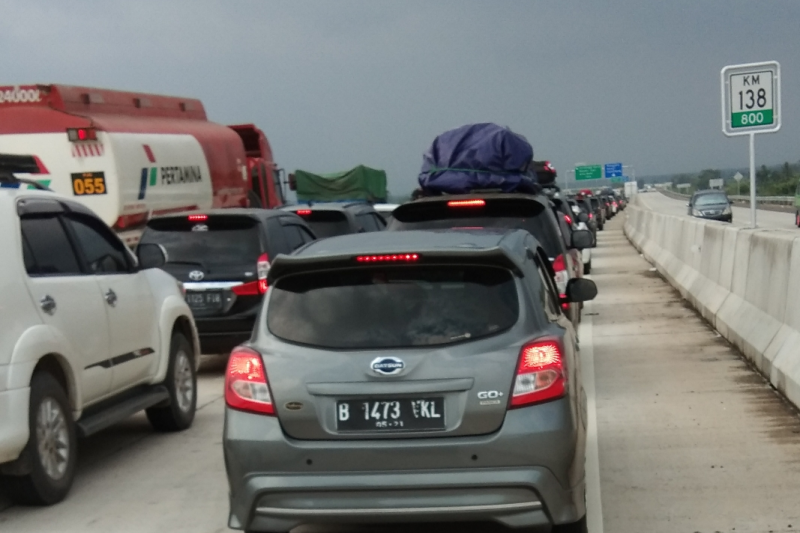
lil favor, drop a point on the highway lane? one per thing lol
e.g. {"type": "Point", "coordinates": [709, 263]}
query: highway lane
{"type": "Point", "coordinates": [688, 437]}
{"type": "Point", "coordinates": [741, 215]}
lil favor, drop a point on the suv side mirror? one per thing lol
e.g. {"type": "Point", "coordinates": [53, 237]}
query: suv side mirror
{"type": "Point", "coordinates": [583, 217]}
{"type": "Point", "coordinates": [580, 290]}
{"type": "Point", "coordinates": [582, 239]}
{"type": "Point", "coordinates": [151, 255]}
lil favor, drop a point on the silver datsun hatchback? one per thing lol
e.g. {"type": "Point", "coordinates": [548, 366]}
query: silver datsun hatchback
{"type": "Point", "coordinates": [419, 376]}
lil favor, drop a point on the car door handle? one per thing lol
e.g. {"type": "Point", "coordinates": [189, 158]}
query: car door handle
{"type": "Point", "coordinates": [47, 304]}
{"type": "Point", "coordinates": [111, 297]}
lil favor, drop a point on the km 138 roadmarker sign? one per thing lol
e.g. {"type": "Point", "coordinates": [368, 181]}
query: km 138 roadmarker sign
{"type": "Point", "coordinates": [751, 104]}
{"type": "Point", "coordinates": [751, 98]}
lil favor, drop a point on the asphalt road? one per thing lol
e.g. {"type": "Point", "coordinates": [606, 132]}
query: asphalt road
{"type": "Point", "coordinates": [741, 215]}
{"type": "Point", "coordinates": [685, 436]}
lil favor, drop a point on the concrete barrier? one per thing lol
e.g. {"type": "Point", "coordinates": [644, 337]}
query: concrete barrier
{"type": "Point", "coordinates": [740, 280]}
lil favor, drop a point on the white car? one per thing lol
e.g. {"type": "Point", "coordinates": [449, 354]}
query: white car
{"type": "Point", "coordinates": [385, 210]}
{"type": "Point", "coordinates": [89, 337]}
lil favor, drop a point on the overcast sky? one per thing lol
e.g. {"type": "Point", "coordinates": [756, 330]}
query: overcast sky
{"type": "Point", "coordinates": [336, 83]}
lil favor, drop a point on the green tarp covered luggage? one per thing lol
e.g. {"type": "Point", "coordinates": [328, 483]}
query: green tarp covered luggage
{"type": "Point", "coordinates": [361, 183]}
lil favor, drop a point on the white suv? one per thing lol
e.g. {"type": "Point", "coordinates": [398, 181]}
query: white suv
{"type": "Point", "coordinates": [89, 337]}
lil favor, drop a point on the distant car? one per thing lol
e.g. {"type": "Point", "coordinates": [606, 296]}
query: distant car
{"type": "Point", "coordinates": [222, 257]}
{"type": "Point", "coordinates": [385, 210]}
{"type": "Point", "coordinates": [419, 376]}
{"type": "Point", "coordinates": [330, 219]}
{"type": "Point", "coordinates": [599, 212]}
{"type": "Point", "coordinates": [710, 204]}
{"type": "Point", "coordinates": [580, 221]}
{"type": "Point", "coordinates": [533, 213]}
{"type": "Point", "coordinates": [91, 336]}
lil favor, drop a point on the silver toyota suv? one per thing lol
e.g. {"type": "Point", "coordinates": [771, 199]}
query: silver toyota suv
{"type": "Point", "coordinates": [419, 376]}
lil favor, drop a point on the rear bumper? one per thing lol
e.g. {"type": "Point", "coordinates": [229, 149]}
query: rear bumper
{"type": "Point", "coordinates": [720, 218]}
{"type": "Point", "coordinates": [529, 473]}
{"type": "Point", "coordinates": [510, 497]}
{"type": "Point", "coordinates": [222, 334]}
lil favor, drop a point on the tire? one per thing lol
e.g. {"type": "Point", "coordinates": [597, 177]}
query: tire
{"type": "Point", "coordinates": [181, 382]}
{"type": "Point", "coordinates": [587, 268]}
{"type": "Point", "coordinates": [52, 448]}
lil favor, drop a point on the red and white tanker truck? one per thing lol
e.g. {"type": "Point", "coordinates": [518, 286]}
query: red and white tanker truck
{"type": "Point", "coordinates": [130, 156]}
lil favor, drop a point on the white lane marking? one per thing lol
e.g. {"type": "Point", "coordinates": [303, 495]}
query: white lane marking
{"type": "Point", "coordinates": [594, 508]}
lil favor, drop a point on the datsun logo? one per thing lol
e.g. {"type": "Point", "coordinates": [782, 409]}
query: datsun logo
{"type": "Point", "coordinates": [387, 366]}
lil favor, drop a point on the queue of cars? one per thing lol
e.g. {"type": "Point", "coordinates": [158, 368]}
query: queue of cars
{"type": "Point", "coordinates": [457, 322]}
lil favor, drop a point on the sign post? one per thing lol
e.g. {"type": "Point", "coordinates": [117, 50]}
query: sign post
{"type": "Point", "coordinates": [751, 104]}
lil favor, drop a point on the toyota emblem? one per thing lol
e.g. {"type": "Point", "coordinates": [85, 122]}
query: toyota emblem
{"type": "Point", "coordinates": [196, 275]}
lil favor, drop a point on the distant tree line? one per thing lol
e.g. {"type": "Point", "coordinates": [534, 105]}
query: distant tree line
{"type": "Point", "coordinates": [778, 180]}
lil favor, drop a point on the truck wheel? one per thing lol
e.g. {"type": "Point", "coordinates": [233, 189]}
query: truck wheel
{"type": "Point", "coordinates": [52, 446]}
{"type": "Point", "coordinates": [181, 383]}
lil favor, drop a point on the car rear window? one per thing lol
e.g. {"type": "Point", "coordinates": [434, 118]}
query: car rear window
{"type": "Point", "coordinates": [514, 214]}
{"type": "Point", "coordinates": [327, 223]}
{"type": "Point", "coordinates": [595, 203]}
{"type": "Point", "coordinates": [220, 239]}
{"type": "Point", "coordinates": [393, 307]}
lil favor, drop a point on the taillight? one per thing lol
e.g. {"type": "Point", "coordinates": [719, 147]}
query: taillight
{"type": "Point", "coordinates": [262, 267]}
{"type": "Point", "coordinates": [466, 203]}
{"type": "Point", "coordinates": [568, 219]}
{"type": "Point", "coordinates": [561, 278]}
{"type": "Point", "coordinates": [591, 216]}
{"type": "Point", "coordinates": [540, 373]}
{"type": "Point", "coordinates": [246, 383]}
{"type": "Point", "coordinates": [255, 288]}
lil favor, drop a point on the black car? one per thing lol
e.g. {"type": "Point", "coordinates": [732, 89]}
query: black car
{"type": "Point", "coordinates": [599, 212]}
{"type": "Point", "coordinates": [330, 219]}
{"type": "Point", "coordinates": [713, 205]}
{"type": "Point", "coordinates": [533, 213]}
{"type": "Point", "coordinates": [222, 257]}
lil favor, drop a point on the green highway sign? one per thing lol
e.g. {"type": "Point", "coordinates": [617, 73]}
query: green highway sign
{"type": "Point", "coordinates": [589, 172]}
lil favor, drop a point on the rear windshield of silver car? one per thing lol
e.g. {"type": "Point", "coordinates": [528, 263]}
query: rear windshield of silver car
{"type": "Point", "coordinates": [393, 307]}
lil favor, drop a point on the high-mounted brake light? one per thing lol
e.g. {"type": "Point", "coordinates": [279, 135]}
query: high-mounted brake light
{"type": "Point", "coordinates": [246, 385]}
{"type": "Point", "coordinates": [541, 375]}
{"type": "Point", "coordinates": [197, 218]}
{"type": "Point", "coordinates": [255, 288]}
{"type": "Point", "coordinates": [466, 203]}
{"type": "Point", "coordinates": [388, 258]}
{"type": "Point", "coordinates": [303, 212]}
{"type": "Point", "coordinates": [81, 134]}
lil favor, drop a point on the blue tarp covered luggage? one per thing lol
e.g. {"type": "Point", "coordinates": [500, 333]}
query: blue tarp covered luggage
{"type": "Point", "coordinates": [478, 156]}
